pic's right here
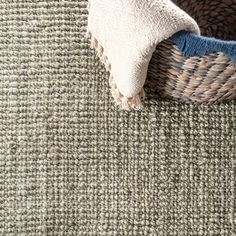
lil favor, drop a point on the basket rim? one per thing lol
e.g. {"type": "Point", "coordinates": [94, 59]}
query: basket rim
{"type": "Point", "coordinates": [192, 45]}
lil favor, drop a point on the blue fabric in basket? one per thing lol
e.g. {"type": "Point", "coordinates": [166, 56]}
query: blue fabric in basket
{"type": "Point", "coordinates": [194, 45]}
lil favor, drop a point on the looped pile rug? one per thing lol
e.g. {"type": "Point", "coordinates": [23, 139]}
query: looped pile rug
{"type": "Point", "coordinates": [72, 163]}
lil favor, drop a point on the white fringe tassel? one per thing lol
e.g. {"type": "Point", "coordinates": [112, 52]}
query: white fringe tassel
{"type": "Point", "coordinates": [124, 102]}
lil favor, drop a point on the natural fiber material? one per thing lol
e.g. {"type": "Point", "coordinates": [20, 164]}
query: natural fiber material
{"type": "Point", "coordinates": [72, 163]}
{"type": "Point", "coordinates": [198, 69]}
{"type": "Point", "coordinates": [125, 34]}
{"type": "Point", "coordinates": [207, 79]}
{"type": "Point", "coordinates": [216, 18]}
{"type": "Point", "coordinates": [122, 101]}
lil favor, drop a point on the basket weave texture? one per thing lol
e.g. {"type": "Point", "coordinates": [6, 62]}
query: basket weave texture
{"type": "Point", "coordinates": [200, 79]}
{"type": "Point", "coordinates": [73, 164]}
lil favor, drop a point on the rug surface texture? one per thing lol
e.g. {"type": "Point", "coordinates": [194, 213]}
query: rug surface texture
{"type": "Point", "coordinates": [73, 163]}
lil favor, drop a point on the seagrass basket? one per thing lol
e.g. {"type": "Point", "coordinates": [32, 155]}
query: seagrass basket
{"type": "Point", "coordinates": [203, 78]}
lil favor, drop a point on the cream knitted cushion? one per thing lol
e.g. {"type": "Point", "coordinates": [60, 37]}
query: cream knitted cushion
{"type": "Point", "coordinates": [125, 34]}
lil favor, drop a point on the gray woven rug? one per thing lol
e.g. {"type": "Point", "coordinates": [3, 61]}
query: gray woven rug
{"type": "Point", "coordinates": [72, 163]}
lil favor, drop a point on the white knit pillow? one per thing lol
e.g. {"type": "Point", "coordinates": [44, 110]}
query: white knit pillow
{"type": "Point", "coordinates": [125, 34]}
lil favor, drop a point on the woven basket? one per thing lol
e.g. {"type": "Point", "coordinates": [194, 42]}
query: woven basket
{"type": "Point", "coordinates": [209, 78]}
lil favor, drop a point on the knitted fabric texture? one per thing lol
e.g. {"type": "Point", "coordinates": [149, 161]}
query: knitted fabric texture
{"type": "Point", "coordinates": [194, 45]}
{"type": "Point", "coordinates": [73, 164]}
{"type": "Point", "coordinates": [125, 33]}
